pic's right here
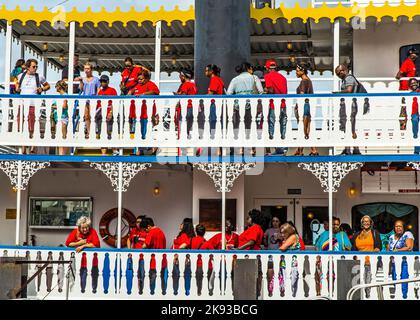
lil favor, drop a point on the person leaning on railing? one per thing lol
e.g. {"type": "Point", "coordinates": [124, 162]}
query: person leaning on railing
{"type": "Point", "coordinates": [413, 85]}
{"type": "Point", "coordinates": [408, 69]}
{"type": "Point", "coordinates": [186, 233]}
{"type": "Point", "coordinates": [402, 240]}
{"type": "Point", "coordinates": [84, 236]}
{"type": "Point", "coordinates": [252, 237]}
{"type": "Point", "coordinates": [367, 239]}
{"type": "Point", "coordinates": [291, 241]}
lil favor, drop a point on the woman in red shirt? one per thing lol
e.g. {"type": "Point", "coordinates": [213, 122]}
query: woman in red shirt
{"type": "Point", "coordinates": [217, 85]}
{"type": "Point", "coordinates": [84, 236]}
{"type": "Point", "coordinates": [252, 237]}
{"type": "Point", "coordinates": [231, 238]}
{"type": "Point", "coordinates": [137, 235]}
{"type": "Point", "coordinates": [186, 233]}
{"type": "Point", "coordinates": [145, 86]}
{"type": "Point", "coordinates": [187, 87]}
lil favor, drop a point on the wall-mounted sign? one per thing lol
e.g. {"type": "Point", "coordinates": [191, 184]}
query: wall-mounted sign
{"type": "Point", "coordinates": [10, 214]}
{"type": "Point", "coordinates": [294, 191]}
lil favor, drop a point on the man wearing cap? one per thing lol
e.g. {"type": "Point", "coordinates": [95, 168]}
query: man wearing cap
{"type": "Point", "coordinates": [187, 87]}
{"type": "Point", "coordinates": [106, 90]}
{"type": "Point", "coordinates": [275, 83]}
{"type": "Point", "coordinates": [408, 68]}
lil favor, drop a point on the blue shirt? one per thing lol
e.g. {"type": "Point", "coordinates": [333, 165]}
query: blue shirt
{"type": "Point", "coordinates": [340, 241]}
{"type": "Point", "coordinates": [91, 88]}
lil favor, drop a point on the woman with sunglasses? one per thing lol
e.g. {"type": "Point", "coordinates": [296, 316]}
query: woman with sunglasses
{"type": "Point", "coordinates": [137, 235]}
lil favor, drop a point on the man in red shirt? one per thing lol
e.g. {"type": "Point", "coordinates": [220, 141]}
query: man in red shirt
{"type": "Point", "coordinates": [105, 89]}
{"type": "Point", "coordinates": [408, 68]}
{"type": "Point", "coordinates": [187, 87]}
{"type": "Point", "coordinates": [137, 235]}
{"type": "Point", "coordinates": [199, 242]}
{"type": "Point", "coordinates": [275, 83]}
{"type": "Point", "coordinates": [84, 236]}
{"type": "Point", "coordinates": [130, 75]}
{"type": "Point", "coordinates": [155, 238]}
{"type": "Point", "coordinates": [217, 85]}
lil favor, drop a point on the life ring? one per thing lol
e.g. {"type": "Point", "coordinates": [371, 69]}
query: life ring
{"type": "Point", "coordinates": [110, 238]}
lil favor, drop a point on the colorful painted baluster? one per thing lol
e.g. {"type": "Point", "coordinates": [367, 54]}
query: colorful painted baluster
{"type": "Point", "coordinates": [72, 270]}
{"type": "Point", "coordinates": [98, 119]}
{"type": "Point", "coordinates": [259, 119]}
{"type": "Point", "coordinates": [83, 272]}
{"type": "Point", "coordinates": [143, 119]}
{"type": "Point", "coordinates": [318, 275]}
{"type": "Point", "coordinates": [296, 113]}
{"type": "Point", "coordinates": [328, 276]}
{"type": "Point", "coordinates": [379, 275]}
{"type": "Point", "coordinates": [366, 106]}
{"type": "Point", "coordinates": [132, 118]}
{"type": "Point", "coordinates": [212, 118]}
{"type": "Point", "coordinates": [187, 275]}
{"type": "Point", "coordinates": [155, 116]}
{"type": "Point", "coordinates": [60, 272]}
{"type": "Point", "coordinates": [87, 119]}
{"type": "Point", "coordinates": [38, 266]}
{"type": "Point", "coordinates": [106, 273]}
{"type": "Point", "coordinates": [306, 118]}
{"type": "Point", "coordinates": [403, 115]}
{"type": "Point", "coordinates": [129, 273]}
{"type": "Point", "coordinates": [416, 275]}
{"type": "Point", "coordinates": [117, 259]}
{"type": "Point", "coordinates": [259, 276]}
{"type": "Point", "coordinates": [354, 110]}
{"type": "Point", "coordinates": [306, 274]}
{"type": "Point", "coordinates": [176, 273]}
{"type": "Point", "coordinates": [404, 275]}
{"type": "Point", "coordinates": [190, 118]}
{"type": "Point", "coordinates": [199, 275]}
{"type": "Point", "coordinates": [282, 275]}
{"type": "Point", "coordinates": [201, 118]}
{"type": "Point", "coordinates": [49, 272]}
{"type": "Point", "coordinates": [343, 115]}
{"type": "Point", "coordinates": [294, 276]}
{"type": "Point", "coordinates": [247, 118]}
{"type": "Point", "coordinates": [415, 118]}
{"type": "Point", "coordinates": [178, 118]}
{"type": "Point", "coordinates": [76, 117]}
{"type": "Point", "coordinates": [152, 274]}
{"type": "Point", "coordinates": [141, 273]}
{"type": "Point", "coordinates": [94, 272]}
{"type": "Point", "coordinates": [109, 119]}
{"type": "Point", "coordinates": [164, 274]}
{"type": "Point", "coordinates": [211, 275]}
{"type": "Point", "coordinates": [283, 118]}
{"type": "Point", "coordinates": [392, 274]}
{"type": "Point", "coordinates": [270, 275]}
{"type": "Point", "coordinates": [232, 273]}
{"type": "Point", "coordinates": [367, 275]}
{"type": "Point", "coordinates": [271, 119]}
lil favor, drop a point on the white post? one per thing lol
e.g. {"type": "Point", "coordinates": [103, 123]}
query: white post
{"type": "Point", "coordinates": [22, 49]}
{"type": "Point", "coordinates": [18, 198]}
{"type": "Point", "coordinates": [45, 69]}
{"type": "Point", "coordinates": [330, 215]}
{"type": "Point", "coordinates": [223, 223]}
{"type": "Point", "coordinates": [158, 50]}
{"type": "Point", "coordinates": [120, 183]}
{"type": "Point", "coordinates": [336, 54]}
{"type": "Point", "coordinates": [8, 57]}
{"type": "Point", "coordinates": [72, 40]}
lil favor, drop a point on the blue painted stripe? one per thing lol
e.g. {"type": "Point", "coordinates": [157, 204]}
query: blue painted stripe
{"type": "Point", "coordinates": [218, 97]}
{"type": "Point", "coordinates": [262, 252]}
{"type": "Point", "coordinates": [205, 159]}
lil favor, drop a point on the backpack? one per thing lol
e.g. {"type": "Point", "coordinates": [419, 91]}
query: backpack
{"type": "Point", "coordinates": [360, 88]}
{"type": "Point", "coordinates": [38, 83]}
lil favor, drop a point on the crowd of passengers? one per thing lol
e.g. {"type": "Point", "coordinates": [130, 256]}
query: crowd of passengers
{"type": "Point", "coordinates": [279, 236]}
{"type": "Point", "coordinates": [136, 81]}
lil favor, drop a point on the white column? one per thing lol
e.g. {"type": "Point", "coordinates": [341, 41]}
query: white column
{"type": "Point", "coordinates": [330, 215]}
{"type": "Point", "coordinates": [45, 69]}
{"type": "Point", "coordinates": [72, 39]}
{"type": "Point", "coordinates": [223, 222]}
{"type": "Point", "coordinates": [120, 183]}
{"type": "Point", "coordinates": [158, 50]}
{"type": "Point", "coordinates": [8, 57]}
{"type": "Point", "coordinates": [18, 198]}
{"type": "Point", "coordinates": [22, 49]}
{"type": "Point", "coordinates": [336, 54]}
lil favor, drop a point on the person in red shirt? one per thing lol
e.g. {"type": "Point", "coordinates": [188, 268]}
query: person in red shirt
{"type": "Point", "coordinates": [275, 83]}
{"type": "Point", "coordinates": [106, 90]}
{"type": "Point", "coordinates": [217, 85]}
{"type": "Point", "coordinates": [155, 238]}
{"type": "Point", "coordinates": [408, 68]}
{"type": "Point", "coordinates": [144, 86]}
{"type": "Point", "coordinates": [186, 233]}
{"type": "Point", "coordinates": [231, 238]}
{"type": "Point", "coordinates": [199, 242]}
{"type": "Point", "coordinates": [84, 236]}
{"type": "Point", "coordinates": [252, 237]}
{"type": "Point", "coordinates": [130, 75]}
{"type": "Point", "coordinates": [187, 87]}
{"type": "Point", "coordinates": [137, 235]}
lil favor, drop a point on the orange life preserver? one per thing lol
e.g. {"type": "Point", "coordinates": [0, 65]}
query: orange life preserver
{"type": "Point", "coordinates": [110, 238]}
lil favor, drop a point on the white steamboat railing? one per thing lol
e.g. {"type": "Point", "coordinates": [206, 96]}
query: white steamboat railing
{"type": "Point", "coordinates": [335, 120]}
{"type": "Point", "coordinates": [196, 274]}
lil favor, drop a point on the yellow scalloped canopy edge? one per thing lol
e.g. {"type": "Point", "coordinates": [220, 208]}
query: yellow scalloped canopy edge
{"type": "Point", "coordinates": [322, 12]}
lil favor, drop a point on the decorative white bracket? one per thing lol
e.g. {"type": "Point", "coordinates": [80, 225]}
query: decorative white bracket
{"type": "Point", "coordinates": [29, 168]}
{"type": "Point", "coordinates": [215, 172]}
{"type": "Point", "coordinates": [339, 171]}
{"type": "Point", "coordinates": [129, 171]}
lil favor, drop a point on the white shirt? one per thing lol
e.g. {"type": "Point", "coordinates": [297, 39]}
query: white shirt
{"type": "Point", "coordinates": [29, 83]}
{"type": "Point", "coordinates": [245, 84]}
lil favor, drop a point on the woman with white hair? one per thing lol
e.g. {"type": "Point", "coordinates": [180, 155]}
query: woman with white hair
{"type": "Point", "coordinates": [367, 239]}
{"type": "Point", "coordinates": [84, 236]}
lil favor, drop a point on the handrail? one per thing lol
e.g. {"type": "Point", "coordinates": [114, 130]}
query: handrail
{"type": "Point", "coordinates": [354, 289]}
{"type": "Point", "coordinates": [319, 298]}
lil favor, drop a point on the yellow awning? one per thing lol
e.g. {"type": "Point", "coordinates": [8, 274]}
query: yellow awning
{"type": "Point", "coordinates": [340, 11]}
